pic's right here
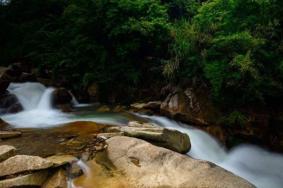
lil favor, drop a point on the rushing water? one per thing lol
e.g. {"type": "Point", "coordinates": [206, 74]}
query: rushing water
{"type": "Point", "coordinates": [36, 100]}
{"type": "Point", "coordinates": [262, 168]}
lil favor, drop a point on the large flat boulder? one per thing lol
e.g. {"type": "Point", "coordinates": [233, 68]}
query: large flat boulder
{"type": "Point", "coordinates": [146, 165]}
{"type": "Point", "coordinates": [171, 139]}
{"type": "Point", "coordinates": [23, 163]}
{"type": "Point", "coordinates": [30, 180]}
{"type": "Point", "coordinates": [6, 152]}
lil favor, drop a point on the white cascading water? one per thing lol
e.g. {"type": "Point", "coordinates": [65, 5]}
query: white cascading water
{"type": "Point", "coordinates": [262, 168]}
{"type": "Point", "coordinates": [29, 94]}
{"type": "Point", "coordinates": [36, 100]}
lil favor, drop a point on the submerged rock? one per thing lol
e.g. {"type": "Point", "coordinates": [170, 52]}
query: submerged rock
{"type": "Point", "coordinates": [29, 180]}
{"type": "Point", "coordinates": [6, 152]}
{"type": "Point", "coordinates": [23, 163]}
{"type": "Point", "coordinates": [146, 165]}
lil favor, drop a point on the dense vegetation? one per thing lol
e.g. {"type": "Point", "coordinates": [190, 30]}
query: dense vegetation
{"type": "Point", "coordinates": [234, 46]}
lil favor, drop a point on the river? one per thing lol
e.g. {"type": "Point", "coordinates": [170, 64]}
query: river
{"type": "Point", "coordinates": [262, 168]}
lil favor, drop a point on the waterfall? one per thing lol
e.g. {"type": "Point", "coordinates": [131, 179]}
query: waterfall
{"type": "Point", "coordinates": [36, 100]}
{"type": "Point", "coordinates": [45, 100]}
{"type": "Point", "coordinates": [262, 168]}
{"type": "Point", "coordinates": [29, 94]}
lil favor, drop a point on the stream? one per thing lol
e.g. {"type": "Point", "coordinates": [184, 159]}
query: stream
{"type": "Point", "coordinates": [262, 168]}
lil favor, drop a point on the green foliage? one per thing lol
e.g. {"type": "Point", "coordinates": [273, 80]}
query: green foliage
{"type": "Point", "coordinates": [104, 41]}
{"type": "Point", "coordinates": [235, 118]}
{"type": "Point", "coordinates": [234, 46]}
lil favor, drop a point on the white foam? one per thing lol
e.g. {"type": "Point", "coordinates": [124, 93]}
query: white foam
{"type": "Point", "coordinates": [262, 168]}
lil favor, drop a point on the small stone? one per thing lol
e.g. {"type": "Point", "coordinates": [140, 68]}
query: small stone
{"type": "Point", "coordinates": [6, 152]}
{"type": "Point", "coordinates": [9, 134]}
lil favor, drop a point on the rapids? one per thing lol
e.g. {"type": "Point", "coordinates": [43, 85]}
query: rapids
{"type": "Point", "coordinates": [262, 168]}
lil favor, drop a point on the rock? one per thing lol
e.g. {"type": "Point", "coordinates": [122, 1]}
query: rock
{"type": "Point", "coordinates": [74, 171]}
{"type": "Point", "coordinates": [9, 134]}
{"type": "Point", "coordinates": [3, 125]}
{"type": "Point", "coordinates": [4, 83]}
{"type": "Point", "coordinates": [191, 105]}
{"type": "Point", "coordinates": [59, 160]}
{"type": "Point", "coordinates": [57, 180]}
{"type": "Point", "coordinates": [171, 139]}
{"type": "Point", "coordinates": [11, 74]}
{"type": "Point", "coordinates": [109, 135]}
{"type": "Point", "coordinates": [152, 105]}
{"type": "Point", "coordinates": [143, 124]}
{"type": "Point", "coordinates": [119, 108]}
{"type": "Point", "coordinates": [103, 108]}
{"type": "Point", "coordinates": [6, 152]}
{"type": "Point", "coordinates": [61, 96]}
{"type": "Point", "coordinates": [2, 70]}
{"type": "Point", "coordinates": [93, 92]}
{"type": "Point", "coordinates": [9, 103]}
{"type": "Point", "coordinates": [23, 163]}
{"type": "Point", "coordinates": [29, 180]}
{"type": "Point", "coordinates": [151, 166]}
{"type": "Point", "coordinates": [27, 77]}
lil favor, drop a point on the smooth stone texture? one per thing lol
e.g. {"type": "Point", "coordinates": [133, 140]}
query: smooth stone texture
{"type": "Point", "coordinates": [57, 180]}
{"type": "Point", "coordinates": [23, 163]}
{"type": "Point", "coordinates": [9, 134]}
{"type": "Point", "coordinates": [6, 152]}
{"type": "Point", "coordinates": [35, 179]}
{"type": "Point", "coordinates": [59, 160]}
{"type": "Point", "coordinates": [146, 165]}
{"type": "Point", "coordinates": [170, 139]}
